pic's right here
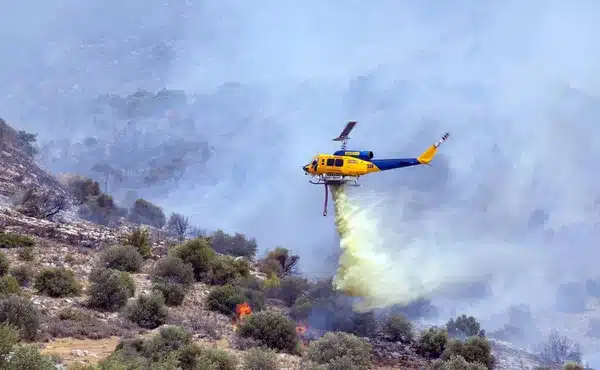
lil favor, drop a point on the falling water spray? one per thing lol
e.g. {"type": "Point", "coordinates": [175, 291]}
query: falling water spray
{"type": "Point", "coordinates": [379, 265]}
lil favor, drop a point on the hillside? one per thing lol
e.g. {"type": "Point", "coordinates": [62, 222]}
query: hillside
{"type": "Point", "coordinates": [95, 283]}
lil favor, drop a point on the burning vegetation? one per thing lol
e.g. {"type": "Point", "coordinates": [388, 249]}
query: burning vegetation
{"type": "Point", "coordinates": [242, 310]}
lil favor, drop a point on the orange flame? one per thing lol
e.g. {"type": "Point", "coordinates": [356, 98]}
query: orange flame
{"type": "Point", "coordinates": [242, 310]}
{"type": "Point", "coordinates": [301, 328]}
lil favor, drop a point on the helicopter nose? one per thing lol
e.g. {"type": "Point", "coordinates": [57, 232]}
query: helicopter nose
{"type": "Point", "coordinates": [305, 168]}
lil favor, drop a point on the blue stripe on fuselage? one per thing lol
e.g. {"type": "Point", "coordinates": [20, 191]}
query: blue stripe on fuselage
{"type": "Point", "coordinates": [390, 164]}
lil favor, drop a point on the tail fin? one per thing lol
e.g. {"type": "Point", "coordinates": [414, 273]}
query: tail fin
{"type": "Point", "coordinates": [428, 155]}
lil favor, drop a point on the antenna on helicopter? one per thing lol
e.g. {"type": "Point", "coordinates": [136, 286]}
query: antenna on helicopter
{"type": "Point", "coordinates": [344, 135]}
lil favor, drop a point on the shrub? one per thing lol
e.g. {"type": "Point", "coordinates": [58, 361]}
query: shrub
{"type": "Point", "coordinates": [27, 253]}
{"type": "Point", "coordinates": [224, 299]}
{"type": "Point", "coordinates": [169, 339]}
{"type": "Point", "coordinates": [13, 240]}
{"type": "Point", "coordinates": [173, 270]}
{"type": "Point", "coordinates": [220, 359]}
{"type": "Point", "coordinates": [21, 313]}
{"type": "Point", "coordinates": [290, 288]}
{"type": "Point", "coordinates": [334, 348]}
{"type": "Point", "coordinates": [473, 350]}
{"type": "Point", "coordinates": [237, 245]}
{"type": "Point", "coordinates": [100, 209]}
{"type": "Point", "coordinates": [147, 213]}
{"type": "Point", "coordinates": [140, 240]}
{"type": "Point", "coordinates": [398, 329]}
{"type": "Point", "coordinates": [432, 343]}
{"type": "Point", "coordinates": [4, 264]}
{"type": "Point", "coordinates": [57, 282]}
{"type": "Point", "coordinates": [9, 285]}
{"type": "Point", "coordinates": [83, 189]}
{"type": "Point", "coordinates": [280, 262]}
{"type": "Point", "coordinates": [573, 366]}
{"type": "Point", "coordinates": [174, 294]}
{"type": "Point", "coordinates": [198, 253]}
{"type": "Point", "coordinates": [29, 357]}
{"type": "Point", "coordinates": [463, 327]}
{"type": "Point", "coordinates": [9, 336]}
{"type": "Point", "coordinates": [75, 323]}
{"type": "Point", "coordinates": [339, 316]}
{"type": "Point", "coordinates": [226, 270]}
{"type": "Point", "coordinates": [272, 329]}
{"type": "Point", "coordinates": [457, 362]}
{"type": "Point", "coordinates": [23, 273]}
{"type": "Point", "coordinates": [148, 311]}
{"type": "Point", "coordinates": [302, 307]}
{"type": "Point", "coordinates": [109, 289]}
{"type": "Point", "coordinates": [122, 258]}
{"type": "Point", "coordinates": [260, 359]}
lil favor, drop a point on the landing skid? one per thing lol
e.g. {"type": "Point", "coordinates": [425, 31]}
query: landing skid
{"type": "Point", "coordinates": [333, 181]}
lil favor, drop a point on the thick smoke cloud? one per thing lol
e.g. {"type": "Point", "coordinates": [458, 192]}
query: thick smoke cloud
{"type": "Point", "coordinates": [513, 195]}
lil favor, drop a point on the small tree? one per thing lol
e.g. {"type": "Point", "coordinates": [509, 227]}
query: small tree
{"type": "Point", "coordinates": [38, 203]}
{"type": "Point", "coordinates": [178, 225]}
{"type": "Point", "coordinates": [280, 262]}
{"type": "Point", "coordinates": [559, 349]}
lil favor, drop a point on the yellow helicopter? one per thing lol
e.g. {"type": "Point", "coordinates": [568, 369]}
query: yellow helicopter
{"type": "Point", "coordinates": [344, 167]}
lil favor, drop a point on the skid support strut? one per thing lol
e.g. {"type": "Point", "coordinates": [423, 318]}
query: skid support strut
{"type": "Point", "coordinates": [326, 198]}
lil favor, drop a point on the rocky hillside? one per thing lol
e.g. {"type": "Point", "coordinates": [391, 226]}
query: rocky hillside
{"type": "Point", "coordinates": [97, 285]}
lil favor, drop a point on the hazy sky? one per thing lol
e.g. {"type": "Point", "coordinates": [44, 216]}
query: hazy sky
{"type": "Point", "coordinates": [515, 82]}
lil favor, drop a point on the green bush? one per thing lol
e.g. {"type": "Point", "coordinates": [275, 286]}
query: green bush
{"type": "Point", "coordinates": [340, 349]}
{"type": "Point", "coordinates": [573, 366]}
{"type": "Point", "coordinates": [218, 358]}
{"type": "Point", "coordinates": [457, 362]}
{"type": "Point", "coordinates": [272, 329]}
{"type": "Point", "coordinates": [57, 282]}
{"type": "Point", "coordinates": [23, 273]}
{"type": "Point", "coordinates": [174, 294]}
{"type": "Point", "coordinates": [12, 240]}
{"type": "Point", "coordinates": [9, 285]}
{"type": "Point", "coordinates": [474, 349]}
{"type": "Point", "coordinates": [290, 288]}
{"type": "Point", "coordinates": [237, 245]}
{"type": "Point", "coordinates": [4, 264]}
{"type": "Point", "coordinates": [109, 289]}
{"type": "Point", "coordinates": [147, 213]}
{"type": "Point", "coordinates": [22, 314]}
{"type": "Point", "coordinates": [122, 258]}
{"type": "Point", "coordinates": [173, 270]}
{"type": "Point", "coordinates": [140, 240]}
{"type": "Point", "coordinates": [226, 270]}
{"type": "Point", "coordinates": [9, 336]}
{"type": "Point", "coordinates": [260, 359]}
{"type": "Point", "coordinates": [302, 307]}
{"type": "Point", "coordinates": [432, 343]}
{"type": "Point", "coordinates": [463, 327]}
{"type": "Point", "coordinates": [27, 253]}
{"type": "Point", "coordinates": [29, 357]}
{"type": "Point", "coordinates": [148, 311]}
{"type": "Point", "coordinates": [399, 329]}
{"type": "Point", "coordinates": [224, 299]}
{"type": "Point", "coordinates": [198, 253]}
{"type": "Point", "coordinates": [169, 339]}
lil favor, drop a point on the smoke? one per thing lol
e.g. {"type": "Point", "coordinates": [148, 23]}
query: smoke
{"type": "Point", "coordinates": [512, 197]}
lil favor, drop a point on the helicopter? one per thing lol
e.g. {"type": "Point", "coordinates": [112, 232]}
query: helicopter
{"type": "Point", "coordinates": [344, 167]}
